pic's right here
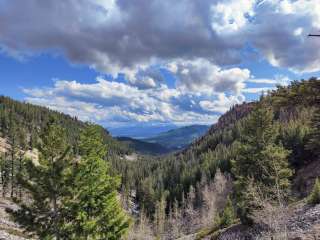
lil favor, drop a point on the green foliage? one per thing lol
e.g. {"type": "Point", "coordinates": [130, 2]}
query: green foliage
{"type": "Point", "coordinates": [144, 147]}
{"type": "Point", "coordinates": [160, 216]}
{"type": "Point", "coordinates": [228, 216]}
{"type": "Point", "coordinates": [314, 138]}
{"type": "Point", "coordinates": [314, 197]}
{"type": "Point", "coordinates": [71, 199]}
{"type": "Point", "coordinates": [259, 159]}
{"type": "Point", "coordinates": [93, 207]}
{"type": "Point", "coordinates": [17, 116]}
{"type": "Point", "coordinates": [46, 184]}
{"type": "Point", "coordinates": [253, 141]}
{"type": "Point", "coordinates": [5, 174]}
{"type": "Point", "coordinates": [295, 136]}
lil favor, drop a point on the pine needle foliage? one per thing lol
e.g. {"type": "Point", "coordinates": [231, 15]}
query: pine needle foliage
{"type": "Point", "coordinates": [94, 207]}
{"type": "Point", "coordinates": [46, 184]}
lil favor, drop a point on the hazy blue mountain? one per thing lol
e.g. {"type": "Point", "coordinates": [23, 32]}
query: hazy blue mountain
{"type": "Point", "coordinates": [143, 147]}
{"type": "Point", "coordinates": [140, 131]}
{"type": "Point", "coordinates": [180, 137]}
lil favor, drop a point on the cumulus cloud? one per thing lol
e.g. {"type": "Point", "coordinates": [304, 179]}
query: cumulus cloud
{"type": "Point", "coordinates": [111, 35]}
{"type": "Point", "coordinates": [231, 16]}
{"type": "Point", "coordinates": [111, 101]}
{"type": "Point", "coordinates": [222, 104]}
{"type": "Point", "coordinates": [201, 75]}
{"type": "Point", "coordinates": [280, 30]}
{"type": "Point", "coordinates": [120, 35]}
{"type": "Point", "coordinates": [200, 43]}
{"type": "Point", "coordinates": [277, 80]}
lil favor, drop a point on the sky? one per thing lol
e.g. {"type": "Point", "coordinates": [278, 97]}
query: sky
{"type": "Point", "coordinates": [143, 63]}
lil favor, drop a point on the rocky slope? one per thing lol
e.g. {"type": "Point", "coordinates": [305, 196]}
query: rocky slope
{"type": "Point", "coordinates": [8, 229]}
{"type": "Point", "coordinates": [303, 224]}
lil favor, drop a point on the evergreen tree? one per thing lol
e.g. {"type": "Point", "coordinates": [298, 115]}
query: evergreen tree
{"type": "Point", "coordinates": [228, 215]}
{"type": "Point", "coordinates": [314, 138]}
{"type": "Point", "coordinates": [5, 173]}
{"type": "Point", "coordinates": [13, 150]}
{"type": "Point", "coordinates": [160, 216]}
{"type": "Point", "coordinates": [93, 208]}
{"type": "Point", "coordinates": [46, 184]}
{"type": "Point", "coordinates": [314, 197]}
{"type": "Point", "coordinates": [22, 142]}
{"type": "Point", "coordinates": [260, 159]}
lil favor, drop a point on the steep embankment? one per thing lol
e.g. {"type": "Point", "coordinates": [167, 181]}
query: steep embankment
{"type": "Point", "coordinates": [225, 122]}
{"type": "Point", "coordinates": [295, 111]}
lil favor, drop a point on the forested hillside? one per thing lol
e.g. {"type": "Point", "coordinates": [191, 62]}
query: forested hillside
{"type": "Point", "coordinates": [263, 147]}
{"type": "Point", "coordinates": [259, 159]}
{"type": "Point", "coordinates": [46, 159]}
{"type": "Point", "coordinates": [23, 123]}
{"type": "Point", "coordinates": [143, 147]}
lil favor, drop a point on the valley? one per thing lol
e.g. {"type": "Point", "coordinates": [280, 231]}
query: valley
{"type": "Point", "coordinates": [252, 174]}
{"type": "Point", "coordinates": [165, 142]}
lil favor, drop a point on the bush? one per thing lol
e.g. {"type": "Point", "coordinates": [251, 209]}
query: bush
{"type": "Point", "coordinates": [314, 197]}
{"type": "Point", "coordinates": [228, 215]}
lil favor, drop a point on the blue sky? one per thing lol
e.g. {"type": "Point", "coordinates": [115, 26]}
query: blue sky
{"type": "Point", "coordinates": [155, 63]}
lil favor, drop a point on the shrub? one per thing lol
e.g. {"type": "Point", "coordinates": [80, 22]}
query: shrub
{"type": "Point", "coordinates": [228, 215]}
{"type": "Point", "coordinates": [314, 197]}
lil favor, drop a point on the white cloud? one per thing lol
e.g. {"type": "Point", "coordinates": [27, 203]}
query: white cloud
{"type": "Point", "coordinates": [203, 91]}
{"type": "Point", "coordinates": [277, 80]}
{"type": "Point", "coordinates": [222, 104]}
{"type": "Point", "coordinates": [231, 15]}
{"type": "Point", "coordinates": [257, 90]}
{"type": "Point", "coordinates": [108, 102]}
{"type": "Point", "coordinates": [279, 31]}
{"type": "Point", "coordinates": [201, 76]}
{"type": "Point", "coordinates": [199, 42]}
{"type": "Point", "coordinates": [121, 36]}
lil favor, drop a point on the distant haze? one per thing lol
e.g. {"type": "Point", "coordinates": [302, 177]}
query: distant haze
{"type": "Point", "coordinates": [140, 132]}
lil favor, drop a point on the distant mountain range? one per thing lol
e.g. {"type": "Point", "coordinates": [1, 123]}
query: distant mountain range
{"type": "Point", "coordinates": [167, 141]}
{"type": "Point", "coordinates": [140, 131]}
{"type": "Point", "coordinates": [143, 147]}
{"type": "Point", "coordinates": [179, 138]}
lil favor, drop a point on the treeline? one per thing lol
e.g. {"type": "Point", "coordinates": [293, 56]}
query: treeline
{"type": "Point", "coordinates": [22, 126]}
{"type": "Point", "coordinates": [27, 121]}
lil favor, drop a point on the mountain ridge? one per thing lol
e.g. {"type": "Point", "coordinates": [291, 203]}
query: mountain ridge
{"type": "Point", "coordinates": [179, 138]}
{"type": "Point", "coordinates": [142, 147]}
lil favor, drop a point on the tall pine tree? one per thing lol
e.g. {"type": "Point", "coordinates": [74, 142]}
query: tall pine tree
{"type": "Point", "coordinates": [94, 208]}
{"type": "Point", "coordinates": [46, 183]}
{"type": "Point", "coordinates": [314, 138]}
{"type": "Point", "coordinates": [260, 159]}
